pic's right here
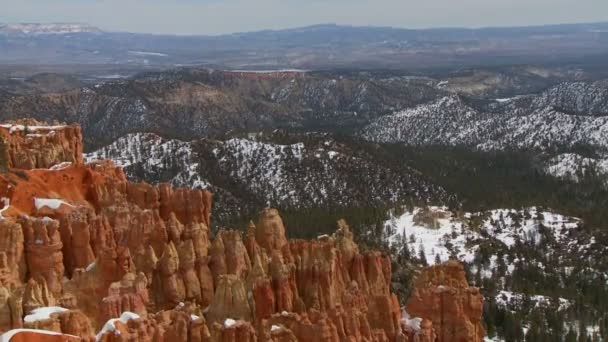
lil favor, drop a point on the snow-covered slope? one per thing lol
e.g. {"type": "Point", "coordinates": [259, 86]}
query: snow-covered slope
{"type": "Point", "coordinates": [572, 166]}
{"type": "Point", "coordinates": [315, 172]}
{"type": "Point", "coordinates": [153, 158]}
{"type": "Point", "coordinates": [578, 98]}
{"type": "Point", "coordinates": [439, 235]}
{"type": "Point", "coordinates": [527, 261]}
{"type": "Point", "coordinates": [450, 121]}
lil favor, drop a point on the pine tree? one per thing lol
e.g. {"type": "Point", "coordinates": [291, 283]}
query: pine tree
{"type": "Point", "coordinates": [422, 255]}
{"type": "Point", "coordinates": [571, 335]}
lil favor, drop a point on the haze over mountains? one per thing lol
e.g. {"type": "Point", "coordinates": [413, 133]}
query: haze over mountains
{"type": "Point", "coordinates": [313, 47]}
{"type": "Point", "coordinates": [489, 146]}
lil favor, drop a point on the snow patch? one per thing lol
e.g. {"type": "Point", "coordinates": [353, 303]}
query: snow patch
{"type": "Point", "coordinates": [110, 327]}
{"type": "Point", "coordinates": [7, 203]}
{"type": "Point", "coordinates": [18, 128]}
{"type": "Point", "coordinates": [61, 166]}
{"type": "Point", "coordinates": [43, 313]}
{"type": "Point", "coordinates": [7, 336]}
{"type": "Point", "coordinates": [148, 53]}
{"type": "Point", "coordinates": [411, 324]}
{"type": "Point", "coordinates": [91, 266]}
{"type": "Point", "coordinates": [52, 203]}
{"type": "Point", "coordinates": [229, 322]}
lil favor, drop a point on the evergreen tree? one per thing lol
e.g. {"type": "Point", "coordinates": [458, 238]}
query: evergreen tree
{"type": "Point", "coordinates": [571, 335]}
{"type": "Point", "coordinates": [422, 255]}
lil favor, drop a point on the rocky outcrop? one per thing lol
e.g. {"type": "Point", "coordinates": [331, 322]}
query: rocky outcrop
{"type": "Point", "coordinates": [70, 322]}
{"type": "Point", "coordinates": [137, 262]}
{"type": "Point", "coordinates": [33, 335]}
{"type": "Point", "coordinates": [442, 295]}
{"type": "Point", "coordinates": [31, 144]}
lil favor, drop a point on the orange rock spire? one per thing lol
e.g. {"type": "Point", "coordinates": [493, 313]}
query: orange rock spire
{"type": "Point", "coordinates": [130, 262]}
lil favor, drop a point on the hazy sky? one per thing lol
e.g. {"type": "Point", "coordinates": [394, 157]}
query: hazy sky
{"type": "Point", "coordinates": [224, 16]}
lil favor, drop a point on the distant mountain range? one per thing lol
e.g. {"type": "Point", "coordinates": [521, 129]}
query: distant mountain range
{"type": "Point", "coordinates": [52, 28]}
{"type": "Point", "coordinates": [313, 47]}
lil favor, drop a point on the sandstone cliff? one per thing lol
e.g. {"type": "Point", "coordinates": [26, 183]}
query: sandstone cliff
{"type": "Point", "coordinates": [443, 296]}
{"type": "Point", "coordinates": [84, 252]}
{"type": "Point", "coordinates": [31, 144]}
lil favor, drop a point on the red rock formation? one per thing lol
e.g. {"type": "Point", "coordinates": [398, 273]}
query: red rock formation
{"type": "Point", "coordinates": [71, 322]}
{"type": "Point", "coordinates": [84, 238]}
{"type": "Point", "coordinates": [130, 294]}
{"type": "Point", "coordinates": [443, 296]}
{"type": "Point", "coordinates": [38, 336]}
{"type": "Point", "coordinates": [31, 144]}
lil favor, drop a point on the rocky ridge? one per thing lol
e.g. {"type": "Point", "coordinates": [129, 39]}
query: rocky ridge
{"type": "Point", "coordinates": [191, 103]}
{"type": "Point", "coordinates": [453, 122]}
{"type": "Point", "coordinates": [89, 254]}
{"type": "Point", "coordinates": [313, 170]}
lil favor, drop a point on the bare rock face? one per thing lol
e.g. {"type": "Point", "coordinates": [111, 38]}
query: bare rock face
{"type": "Point", "coordinates": [230, 301]}
{"type": "Point", "coordinates": [270, 232]}
{"type": "Point", "coordinates": [136, 262]}
{"type": "Point", "coordinates": [71, 322]}
{"type": "Point", "coordinates": [43, 248]}
{"type": "Point", "coordinates": [20, 335]}
{"type": "Point", "coordinates": [12, 258]}
{"type": "Point", "coordinates": [31, 144]}
{"type": "Point", "coordinates": [443, 296]}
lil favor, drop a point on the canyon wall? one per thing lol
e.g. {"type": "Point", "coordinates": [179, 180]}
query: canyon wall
{"type": "Point", "coordinates": [86, 253]}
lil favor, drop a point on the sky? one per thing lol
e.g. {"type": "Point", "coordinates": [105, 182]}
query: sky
{"type": "Point", "coordinates": [228, 16]}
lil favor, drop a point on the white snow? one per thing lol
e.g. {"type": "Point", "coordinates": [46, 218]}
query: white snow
{"type": "Point", "coordinates": [52, 203]}
{"type": "Point", "coordinates": [148, 53]}
{"type": "Point", "coordinates": [229, 322]}
{"type": "Point", "coordinates": [432, 240]}
{"type": "Point", "coordinates": [154, 153]}
{"type": "Point", "coordinates": [91, 266]}
{"type": "Point", "coordinates": [60, 166]}
{"type": "Point", "coordinates": [17, 128]}
{"type": "Point", "coordinates": [508, 99]}
{"type": "Point", "coordinates": [269, 71]}
{"type": "Point", "coordinates": [508, 299]}
{"type": "Point", "coordinates": [572, 165]}
{"type": "Point", "coordinates": [110, 327]}
{"type": "Point", "coordinates": [448, 237]}
{"type": "Point", "coordinates": [40, 135]}
{"type": "Point", "coordinates": [450, 121]}
{"type": "Point", "coordinates": [43, 313]}
{"type": "Point", "coordinates": [493, 339]}
{"type": "Point", "coordinates": [7, 336]}
{"type": "Point", "coordinates": [412, 324]}
{"type": "Point", "coordinates": [7, 202]}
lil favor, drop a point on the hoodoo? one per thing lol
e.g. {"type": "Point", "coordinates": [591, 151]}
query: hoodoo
{"type": "Point", "coordinates": [86, 253]}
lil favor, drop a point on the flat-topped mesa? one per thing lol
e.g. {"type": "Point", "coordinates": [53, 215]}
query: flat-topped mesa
{"type": "Point", "coordinates": [29, 144]}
